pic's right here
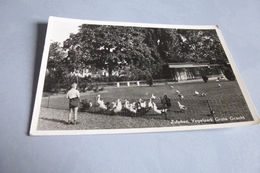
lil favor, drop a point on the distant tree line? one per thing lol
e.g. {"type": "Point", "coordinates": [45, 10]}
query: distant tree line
{"type": "Point", "coordinates": [144, 52]}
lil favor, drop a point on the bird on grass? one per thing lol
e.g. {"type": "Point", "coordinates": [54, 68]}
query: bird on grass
{"type": "Point", "coordinates": [142, 103]}
{"type": "Point", "coordinates": [90, 103]}
{"type": "Point", "coordinates": [101, 103]}
{"type": "Point", "coordinates": [196, 93]}
{"type": "Point", "coordinates": [132, 108]}
{"type": "Point", "coordinates": [182, 107]}
{"type": "Point", "coordinates": [181, 96]}
{"type": "Point", "coordinates": [113, 106]}
{"type": "Point", "coordinates": [118, 107]}
{"type": "Point", "coordinates": [99, 99]}
{"type": "Point", "coordinates": [159, 111]}
{"type": "Point", "coordinates": [126, 104]}
{"type": "Point", "coordinates": [219, 85]}
{"type": "Point", "coordinates": [150, 103]}
{"type": "Point", "coordinates": [212, 112]}
{"type": "Point", "coordinates": [203, 94]}
{"type": "Point", "coordinates": [153, 96]}
{"type": "Point", "coordinates": [86, 105]}
{"type": "Point", "coordinates": [178, 92]}
{"type": "Point", "coordinates": [172, 87]}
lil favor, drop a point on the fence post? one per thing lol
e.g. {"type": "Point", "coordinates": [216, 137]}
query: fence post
{"type": "Point", "coordinates": [128, 83]}
{"type": "Point", "coordinates": [118, 84]}
{"type": "Point", "coordinates": [138, 83]}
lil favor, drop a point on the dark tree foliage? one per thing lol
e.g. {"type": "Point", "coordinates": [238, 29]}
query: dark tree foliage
{"type": "Point", "coordinates": [140, 53]}
{"type": "Point", "coordinates": [113, 48]}
{"type": "Point", "coordinates": [56, 69]}
{"type": "Point", "coordinates": [229, 73]}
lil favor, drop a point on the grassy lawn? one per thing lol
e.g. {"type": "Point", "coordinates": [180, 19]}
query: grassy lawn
{"type": "Point", "coordinates": [227, 102]}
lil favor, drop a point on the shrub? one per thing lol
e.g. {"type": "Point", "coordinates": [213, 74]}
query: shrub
{"type": "Point", "coordinates": [149, 80]}
{"type": "Point", "coordinates": [229, 74]}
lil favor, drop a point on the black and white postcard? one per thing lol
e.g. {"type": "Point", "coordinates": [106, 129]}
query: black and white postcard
{"type": "Point", "coordinates": [101, 77]}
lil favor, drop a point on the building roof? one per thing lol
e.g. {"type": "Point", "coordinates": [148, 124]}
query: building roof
{"type": "Point", "coordinates": [187, 65]}
{"type": "Point", "coordinates": [190, 65]}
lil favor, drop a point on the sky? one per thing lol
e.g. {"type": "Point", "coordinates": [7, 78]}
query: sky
{"type": "Point", "coordinates": [62, 28]}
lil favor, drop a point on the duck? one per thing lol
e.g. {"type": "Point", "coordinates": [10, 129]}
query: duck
{"type": "Point", "coordinates": [85, 105]}
{"type": "Point", "coordinates": [159, 111]}
{"type": "Point", "coordinates": [113, 106]}
{"type": "Point", "coordinates": [90, 103]}
{"type": "Point", "coordinates": [181, 96]}
{"type": "Point", "coordinates": [203, 94]}
{"type": "Point", "coordinates": [150, 103]}
{"type": "Point", "coordinates": [102, 106]}
{"type": "Point", "coordinates": [132, 108]}
{"type": "Point", "coordinates": [101, 103]}
{"type": "Point", "coordinates": [126, 104]}
{"type": "Point", "coordinates": [142, 103]}
{"type": "Point", "coordinates": [153, 96]}
{"type": "Point", "coordinates": [119, 106]}
{"type": "Point", "coordinates": [99, 99]}
{"type": "Point", "coordinates": [182, 107]}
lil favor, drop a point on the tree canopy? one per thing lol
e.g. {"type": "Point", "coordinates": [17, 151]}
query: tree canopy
{"type": "Point", "coordinates": [138, 51]}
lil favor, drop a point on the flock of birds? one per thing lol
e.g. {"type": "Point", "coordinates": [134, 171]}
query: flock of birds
{"type": "Point", "coordinates": [124, 105]}
{"type": "Point", "coordinates": [141, 106]}
{"type": "Point", "coordinates": [196, 93]}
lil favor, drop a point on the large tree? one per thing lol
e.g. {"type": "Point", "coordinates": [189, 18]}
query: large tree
{"type": "Point", "coordinates": [143, 50]}
{"type": "Point", "coordinates": [56, 69]}
{"type": "Point", "coordinates": [113, 48]}
{"type": "Point", "coordinates": [199, 46]}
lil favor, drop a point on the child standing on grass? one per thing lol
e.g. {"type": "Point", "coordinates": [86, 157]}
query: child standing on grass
{"type": "Point", "coordinates": [73, 96]}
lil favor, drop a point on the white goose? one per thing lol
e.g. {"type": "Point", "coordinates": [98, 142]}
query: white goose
{"type": "Point", "coordinates": [119, 106]}
{"type": "Point", "coordinates": [127, 104]}
{"type": "Point", "coordinates": [150, 104]}
{"type": "Point", "coordinates": [159, 111]}
{"type": "Point", "coordinates": [132, 108]}
{"type": "Point", "coordinates": [181, 96]}
{"type": "Point", "coordinates": [203, 94]}
{"type": "Point", "coordinates": [182, 107]}
{"type": "Point", "coordinates": [113, 106]}
{"type": "Point", "coordinates": [90, 103]}
{"type": "Point", "coordinates": [99, 99]}
{"type": "Point", "coordinates": [153, 96]}
{"type": "Point", "coordinates": [101, 103]}
{"type": "Point", "coordinates": [142, 103]}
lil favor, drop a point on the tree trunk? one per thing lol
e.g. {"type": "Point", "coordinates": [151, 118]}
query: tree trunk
{"type": "Point", "coordinates": [110, 69]}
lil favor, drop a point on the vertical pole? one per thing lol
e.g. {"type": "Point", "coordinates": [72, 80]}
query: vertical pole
{"type": "Point", "coordinates": [211, 111]}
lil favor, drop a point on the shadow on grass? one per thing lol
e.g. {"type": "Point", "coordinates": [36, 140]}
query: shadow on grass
{"type": "Point", "coordinates": [55, 120]}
